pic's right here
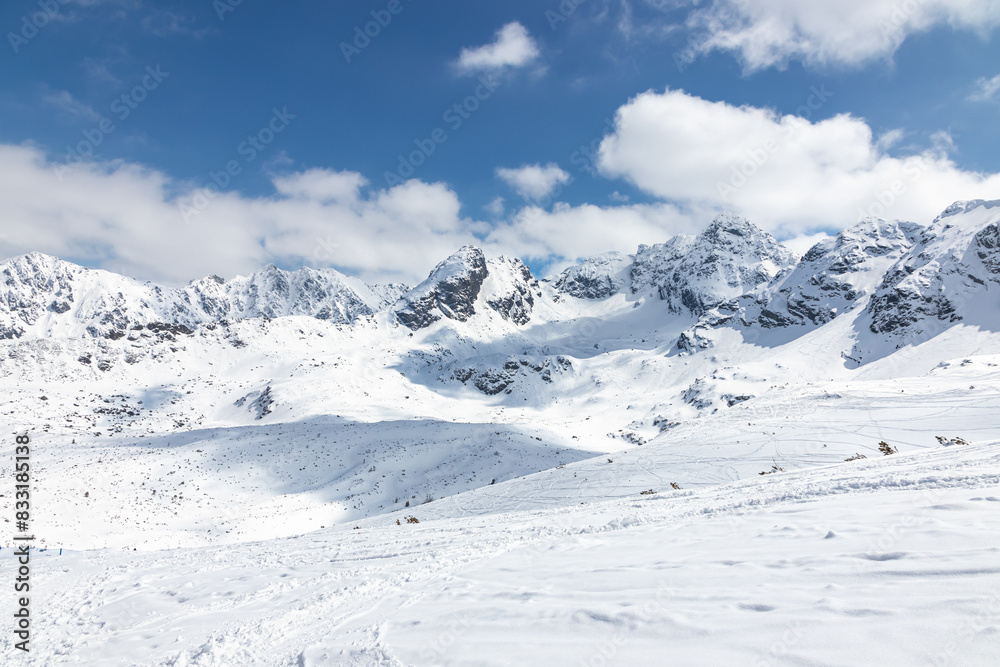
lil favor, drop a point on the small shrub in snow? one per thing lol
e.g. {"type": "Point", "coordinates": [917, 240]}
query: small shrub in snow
{"type": "Point", "coordinates": [886, 448]}
{"type": "Point", "coordinates": [948, 442]}
{"type": "Point", "coordinates": [856, 457]}
{"type": "Point", "coordinates": [647, 493]}
{"type": "Point", "coordinates": [675, 485]}
{"type": "Point", "coordinates": [412, 519]}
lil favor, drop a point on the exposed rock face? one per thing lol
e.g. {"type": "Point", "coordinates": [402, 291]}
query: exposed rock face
{"type": "Point", "coordinates": [258, 403]}
{"type": "Point", "coordinates": [450, 291]}
{"type": "Point", "coordinates": [458, 284]}
{"type": "Point", "coordinates": [492, 380]}
{"type": "Point", "coordinates": [597, 277]}
{"type": "Point", "coordinates": [511, 289]}
{"type": "Point", "coordinates": [934, 284]}
{"type": "Point", "coordinates": [696, 274]}
{"type": "Point", "coordinates": [833, 277]}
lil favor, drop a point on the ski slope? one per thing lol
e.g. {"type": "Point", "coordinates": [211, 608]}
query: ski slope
{"type": "Point", "coordinates": [879, 561]}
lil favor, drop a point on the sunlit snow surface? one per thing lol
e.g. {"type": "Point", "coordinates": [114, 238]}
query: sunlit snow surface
{"type": "Point", "coordinates": [890, 561]}
{"type": "Point", "coordinates": [551, 481]}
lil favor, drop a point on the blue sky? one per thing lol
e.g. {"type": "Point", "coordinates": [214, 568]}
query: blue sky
{"type": "Point", "coordinates": [599, 124]}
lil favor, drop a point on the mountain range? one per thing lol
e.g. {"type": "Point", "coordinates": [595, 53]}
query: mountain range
{"type": "Point", "coordinates": [909, 280]}
{"type": "Point", "coordinates": [308, 393]}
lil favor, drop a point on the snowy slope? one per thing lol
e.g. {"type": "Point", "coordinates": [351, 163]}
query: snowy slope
{"type": "Point", "coordinates": [887, 561]}
{"type": "Point", "coordinates": [235, 433]}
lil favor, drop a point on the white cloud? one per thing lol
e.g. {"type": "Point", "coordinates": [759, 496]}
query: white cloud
{"type": "Point", "coordinates": [570, 233]}
{"type": "Point", "coordinates": [768, 33]}
{"type": "Point", "coordinates": [618, 197]}
{"type": "Point", "coordinates": [496, 208]}
{"type": "Point", "coordinates": [322, 185]}
{"type": "Point", "coordinates": [534, 181]}
{"type": "Point", "coordinates": [800, 245]}
{"type": "Point", "coordinates": [163, 23]}
{"type": "Point", "coordinates": [513, 47]}
{"type": "Point", "coordinates": [787, 174]}
{"type": "Point", "coordinates": [126, 218]}
{"type": "Point", "coordinates": [986, 90]}
{"type": "Point", "coordinates": [889, 139]}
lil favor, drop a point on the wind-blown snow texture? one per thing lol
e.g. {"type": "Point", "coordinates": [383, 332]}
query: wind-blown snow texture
{"type": "Point", "coordinates": [583, 453]}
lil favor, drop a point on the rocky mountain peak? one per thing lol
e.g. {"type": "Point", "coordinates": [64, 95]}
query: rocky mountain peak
{"type": "Point", "coordinates": [967, 206]}
{"type": "Point", "coordinates": [450, 291]}
{"type": "Point", "coordinates": [731, 257]}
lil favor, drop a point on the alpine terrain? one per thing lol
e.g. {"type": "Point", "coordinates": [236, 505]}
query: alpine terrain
{"type": "Point", "coordinates": [711, 451]}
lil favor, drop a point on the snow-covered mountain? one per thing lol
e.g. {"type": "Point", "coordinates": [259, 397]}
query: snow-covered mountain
{"type": "Point", "coordinates": [731, 274]}
{"type": "Point", "coordinates": [466, 283]}
{"type": "Point", "coordinates": [952, 274]}
{"type": "Point", "coordinates": [832, 278]}
{"type": "Point", "coordinates": [731, 257]}
{"type": "Point", "coordinates": [719, 330]}
{"type": "Point", "coordinates": [45, 296]}
{"type": "Point", "coordinates": [692, 274]}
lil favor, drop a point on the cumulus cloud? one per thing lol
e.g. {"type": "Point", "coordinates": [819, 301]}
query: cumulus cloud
{"type": "Point", "coordinates": [788, 174]}
{"type": "Point", "coordinates": [567, 233]}
{"type": "Point", "coordinates": [986, 90]}
{"type": "Point", "coordinates": [322, 185]}
{"type": "Point", "coordinates": [766, 33]}
{"type": "Point", "coordinates": [800, 245]}
{"type": "Point", "coordinates": [127, 218]}
{"type": "Point", "coordinates": [534, 181]}
{"type": "Point", "coordinates": [513, 47]}
{"type": "Point", "coordinates": [496, 208]}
